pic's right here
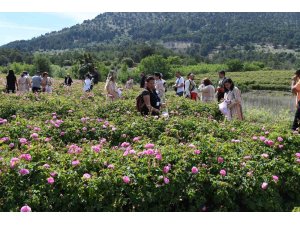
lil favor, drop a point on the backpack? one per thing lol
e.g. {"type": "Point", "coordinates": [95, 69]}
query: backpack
{"type": "Point", "coordinates": [140, 102]}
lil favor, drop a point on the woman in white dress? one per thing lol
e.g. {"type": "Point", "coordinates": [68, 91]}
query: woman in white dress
{"type": "Point", "coordinates": [207, 91]}
{"type": "Point", "coordinates": [233, 99]}
{"type": "Point", "coordinates": [87, 83]}
{"type": "Point", "coordinates": [112, 91]}
{"type": "Point", "coordinates": [159, 86]}
{"type": "Point", "coordinates": [24, 83]}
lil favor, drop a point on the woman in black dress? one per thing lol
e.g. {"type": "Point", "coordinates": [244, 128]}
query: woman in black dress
{"type": "Point", "coordinates": [150, 98]}
{"type": "Point", "coordinates": [11, 82]}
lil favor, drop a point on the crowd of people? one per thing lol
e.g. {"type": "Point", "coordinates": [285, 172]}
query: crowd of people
{"type": "Point", "coordinates": [226, 93]}
{"type": "Point", "coordinates": [152, 98]}
{"type": "Point", "coordinates": [40, 82]}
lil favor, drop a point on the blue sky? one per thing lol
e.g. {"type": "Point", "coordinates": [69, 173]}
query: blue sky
{"type": "Point", "coordinates": [26, 25]}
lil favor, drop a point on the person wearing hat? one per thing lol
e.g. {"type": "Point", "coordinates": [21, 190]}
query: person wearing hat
{"type": "Point", "coordinates": [36, 82]}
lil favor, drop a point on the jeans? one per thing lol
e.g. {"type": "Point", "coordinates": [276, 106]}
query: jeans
{"type": "Point", "coordinates": [179, 93]}
{"type": "Point", "coordinates": [297, 118]}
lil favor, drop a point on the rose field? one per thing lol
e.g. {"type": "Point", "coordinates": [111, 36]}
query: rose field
{"type": "Point", "coordinates": [67, 151]}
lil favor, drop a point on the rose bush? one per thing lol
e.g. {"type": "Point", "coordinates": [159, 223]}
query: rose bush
{"type": "Point", "coordinates": [67, 152]}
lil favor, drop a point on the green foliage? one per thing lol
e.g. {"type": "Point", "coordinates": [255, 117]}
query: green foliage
{"type": "Point", "coordinates": [128, 61]}
{"type": "Point", "coordinates": [42, 63]}
{"type": "Point", "coordinates": [92, 118]}
{"type": "Point", "coordinates": [234, 65]}
{"type": "Point", "coordinates": [58, 71]}
{"type": "Point", "coordinates": [155, 63]}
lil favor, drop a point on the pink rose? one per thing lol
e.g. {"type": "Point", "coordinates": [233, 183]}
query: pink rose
{"type": "Point", "coordinates": [265, 155]}
{"type": "Point", "coordinates": [166, 180]}
{"type": "Point", "coordinates": [23, 140]}
{"type": "Point", "coordinates": [84, 129]}
{"type": "Point", "coordinates": [111, 166]}
{"type": "Point", "coordinates": [220, 160]}
{"type": "Point", "coordinates": [50, 180]}
{"type": "Point", "coordinates": [136, 139]}
{"type": "Point", "coordinates": [254, 138]}
{"type": "Point", "coordinates": [275, 178]}
{"type": "Point", "coordinates": [11, 145]}
{"type": "Point", "coordinates": [158, 156]}
{"type": "Point", "coordinates": [96, 148]}
{"type": "Point", "coordinates": [86, 176]}
{"type": "Point", "coordinates": [27, 157]}
{"type": "Point", "coordinates": [197, 152]}
{"type": "Point", "coordinates": [223, 172]}
{"type": "Point", "coordinates": [264, 185]}
{"type": "Point", "coordinates": [280, 139]}
{"type": "Point", "coordinates": [297, 154]}
{"type": "Point", "coordinates": [166, 169]}
{"type": "Point", "coordinates": [125, 144]}
{"type": "Point", "coordinates": [47, 166]}
{"type": "Point", "coordinates": [25, 208]}
{"type": "Point", "coordinates": [126, 179]}
{"type": "Point", "coordinates": [13, 162]}
{"type": "Point", "coordinates": [34, 136]}
{"type": "Point", "coordinates": [149, 145]}
{"type": "Point", "coordinates": [23, 171]}
{"type": "Point", "coordinates": [262, 138]}
{"type": "Point", "coordinates": [75, 162]}
{"type": "Point", "coordinates": [195, 170]}
{"type": "Point", "coordinates": [280, 146]}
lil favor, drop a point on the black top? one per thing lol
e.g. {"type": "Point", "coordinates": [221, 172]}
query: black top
{"type": "Point", "coordinates": [68, 81]}
{"type": "Point", "coordinates": [143, 80]}
{"type": "Point", "coordinates": [96, 77]}
{"type": "Point", "coordinates": [11, 82]}
{"type": "Point", "coordinates": [154, 102]}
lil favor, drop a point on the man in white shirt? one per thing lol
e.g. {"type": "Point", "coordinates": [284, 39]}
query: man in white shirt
{"type": "Point", "coordinates": [179, 85]}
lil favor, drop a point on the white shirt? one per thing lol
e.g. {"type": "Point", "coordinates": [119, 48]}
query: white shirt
{"type": "Point", "coordinates": [87, 84]}
{"type": "Point", "coordinates": [180, 81]}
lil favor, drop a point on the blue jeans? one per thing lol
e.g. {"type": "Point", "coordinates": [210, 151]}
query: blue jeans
{"type": "Point", "coordinates": [297, 118]}
{"type": "Point", "coordinates": [179, 93]}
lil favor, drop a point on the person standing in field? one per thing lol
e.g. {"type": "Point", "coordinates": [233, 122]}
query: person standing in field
{"type": "Point", "coordinates": [150, 99]}
{"type": "Point", "coordinates": [220, 87]}
{"type": "Point", "coordinates": [111, 88]}
{"type": "Point", "coordinates": [179, 84]}
{"type": "Point", "coordinates": [68, 80]}
{"type": "Point", "coordinates": [207, 90]}
{"type": "Point", "coordinates": [143, 80]}
{"type": "Point", "coordinates": [190, 87]}
{"type": "Point", "coordinates": [129, 83]}
{"type": "Point", "coordinates": [233, 99]}
{"type": "Point", "coordinates": [296, 91]}
{"type": "Point", "coordinates": [11, 82]}
{"type": "Point", "coordinates": [36, 82]}
{"type": "Point", "coordinates": [24, 83]}
{"type": "Point", "coordinates": [159, 86]}
{"type": "Point", "coordinates": [87, 83]}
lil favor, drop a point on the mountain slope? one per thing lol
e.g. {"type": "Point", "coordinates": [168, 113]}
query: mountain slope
{"type": "Point", "coordinates": [208, 29]}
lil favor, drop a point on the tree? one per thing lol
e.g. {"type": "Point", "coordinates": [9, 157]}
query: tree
{"type": "Point", "coordinates": [235, 65]}
{"type": "Point", "coordinates": [42, 63]}
{"type": "Point", "coordinates": [128, 61]}
{"type": "Point", "coordinates": [155, 63]}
